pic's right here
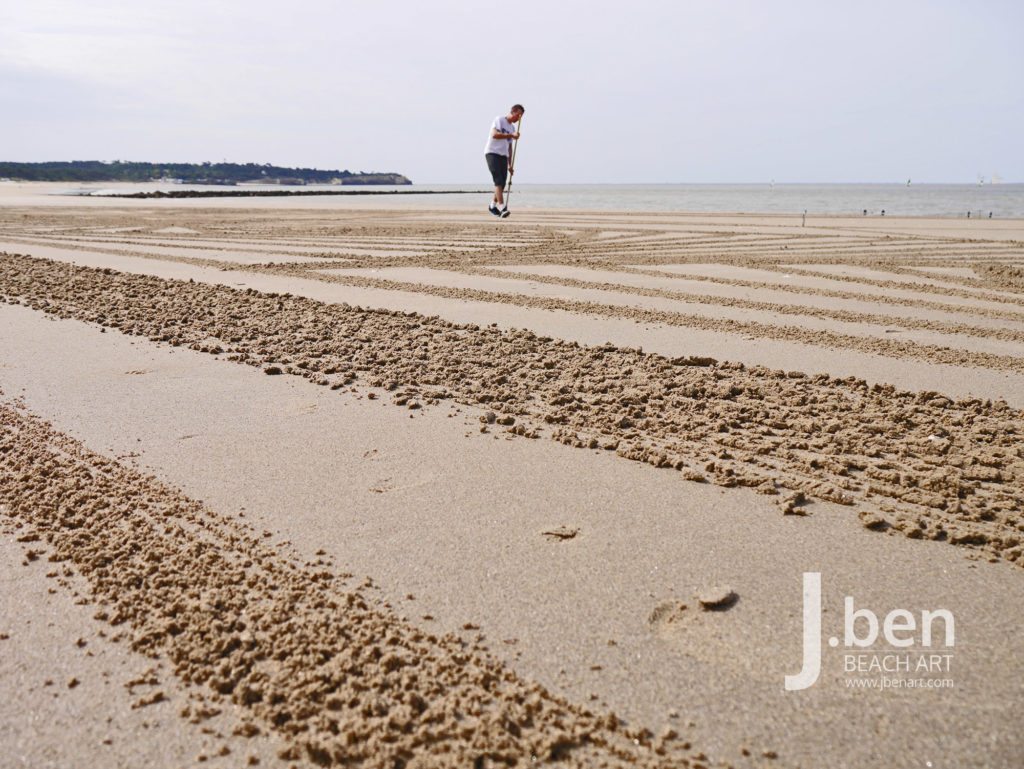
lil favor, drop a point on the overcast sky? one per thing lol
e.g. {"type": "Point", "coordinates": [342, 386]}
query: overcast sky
{"type": "Point", "coordinates": [625, 91]}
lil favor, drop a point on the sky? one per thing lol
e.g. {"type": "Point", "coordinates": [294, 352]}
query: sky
{"type": "Point", "coordinates": [615, 92]}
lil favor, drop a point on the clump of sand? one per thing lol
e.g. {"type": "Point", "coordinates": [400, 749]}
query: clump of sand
{"type": "Point", "coordinates": [1002, 276]}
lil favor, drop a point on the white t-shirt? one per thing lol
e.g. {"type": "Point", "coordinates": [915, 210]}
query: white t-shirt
{"type": "Point", "coordinates": [500, 146]}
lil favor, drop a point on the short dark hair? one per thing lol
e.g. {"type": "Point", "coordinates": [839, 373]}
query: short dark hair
{"type": "Point", "coordinates": [517, 107]}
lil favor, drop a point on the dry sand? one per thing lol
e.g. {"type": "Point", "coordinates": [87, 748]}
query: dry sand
{"type": "Point", "coordinates": [201, 522]}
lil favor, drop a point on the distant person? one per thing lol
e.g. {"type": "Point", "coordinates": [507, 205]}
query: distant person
{"type": "Point", "coordinates": [498, 153]}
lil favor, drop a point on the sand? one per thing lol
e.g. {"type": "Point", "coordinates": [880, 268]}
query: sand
{"type": "Point", "coordinates": [573, 547]}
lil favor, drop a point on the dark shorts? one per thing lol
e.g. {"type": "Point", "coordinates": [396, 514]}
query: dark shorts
{"type": "Point", "coordinates": [499, 168]}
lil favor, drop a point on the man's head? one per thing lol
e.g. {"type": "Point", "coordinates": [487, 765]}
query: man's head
{"type": "Point", "coordinates": [515, 113]}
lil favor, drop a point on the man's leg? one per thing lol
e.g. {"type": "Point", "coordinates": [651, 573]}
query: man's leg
{"type": "Point", "coordinates": [498, 168]}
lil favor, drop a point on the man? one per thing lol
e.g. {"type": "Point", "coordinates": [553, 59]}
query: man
{"type": "Point", "coordinates": [498, 153]}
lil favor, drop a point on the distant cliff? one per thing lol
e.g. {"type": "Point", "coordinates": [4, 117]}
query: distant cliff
{"type": "Point", "coordinates": [187, 173]}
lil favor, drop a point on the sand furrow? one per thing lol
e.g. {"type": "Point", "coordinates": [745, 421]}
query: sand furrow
{"type": "Point", "coordinates": [713, 291]}
{"type": "Point", "coordinates": [940, 353]}
{"type": "Point", "coordinates": [921, 287]}
{"type": "Point", "coordinates": [919, 463]}
{"type": "Point", "coordinates": [934, 353]}
{"type": "Point", "coordinates": [845, 316]}
{"type": "Point", "coordinates": [899, 298]}
{"type": "Point", "coordinates": [324, 664]}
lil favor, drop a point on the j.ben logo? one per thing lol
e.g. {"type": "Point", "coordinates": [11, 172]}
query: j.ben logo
{"type": "Point", "coordinates": [906, 653]}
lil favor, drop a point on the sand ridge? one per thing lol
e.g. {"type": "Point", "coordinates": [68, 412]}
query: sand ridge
{"type": "Point", "coordinates": [919, 463]}
{"type": "Point", "coordinates": [639, 245]}
{"type": "Point", "coordinates": [937, 353]}
{"type": "Point", "coordinates": [879, 346]}
{"type": "Point", "coordinates": [846, 316]}
{"type": "Point", "coordinates": [892, 297]}
{"type": "Point", "coordinates": [305, 653]}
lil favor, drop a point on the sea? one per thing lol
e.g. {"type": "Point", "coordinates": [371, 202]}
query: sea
{"type": "Point", "coordinates": [995, 200]}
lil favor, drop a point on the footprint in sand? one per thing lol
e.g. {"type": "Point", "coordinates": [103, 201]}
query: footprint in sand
{"type": "Point", "coordinates": [669, 616]}
{"type": "Point", "coordinates": [705, 628]}
{"type": "Point", "coordinates": [672, 615]}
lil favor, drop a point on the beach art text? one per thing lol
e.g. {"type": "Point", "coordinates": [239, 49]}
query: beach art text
{"type": "Point", "coordinates": [902, 650]}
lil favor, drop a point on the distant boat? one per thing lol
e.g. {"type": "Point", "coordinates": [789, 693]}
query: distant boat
{"type": "Point", "coordinates": [908, 182]}
{"type": "Point", "coordinates": [997, 179]}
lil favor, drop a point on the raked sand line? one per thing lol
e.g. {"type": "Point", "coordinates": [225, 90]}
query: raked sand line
{"type": "Point", "coordinates": [934, 353]}
{"type": "Point", "coordinates": [646, 286]}
{"type": "Point", "coordinates": [890, 274]}
{"type": "Point", "coordinates": [74, 699]}
{"type": "Point", "coordinates": [386, 247]}
{"type": "Point", "coordinates": [993, 341]}
{"type": "Point", "coordinates": [761, 247]}
{"type": "Point", "coordinates": [572, 325]}
{"type": "Point", "coordinates": [919, 463]}
{"type": "Point", "coordinates": [979, 293]}
{"type": "Point", "coordinates": [458, 259]}
{"type": "Point", "coordinates": [744, 242]}
{"type": "Point", "coordinates": [210, 257]}
{"type": "Point", "coordinates": [908, 299]}
{"type": "Point", "coordinates": [965, 319]}
{"type": "Point", "coordinates": [944, 272]}
{"type": "Point", "coordinates": [939, 352]}
{"type": "Point", "coordinates": [325, 665]}
{"type": "Point", "coordinates": [770, 275]}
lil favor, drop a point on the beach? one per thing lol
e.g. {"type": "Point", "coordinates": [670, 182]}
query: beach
{"type": "Point", "coordinates": [301, 482]}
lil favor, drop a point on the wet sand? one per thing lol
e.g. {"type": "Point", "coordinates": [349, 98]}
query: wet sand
{"type": "Point", "coordinates": [424, 537]}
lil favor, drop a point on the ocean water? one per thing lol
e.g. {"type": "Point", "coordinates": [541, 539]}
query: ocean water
{"type": "Point", "coordinates": [944, 200]}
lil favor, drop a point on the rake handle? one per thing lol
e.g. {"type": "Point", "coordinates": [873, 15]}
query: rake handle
{"type": "Point", "coordinates": [512, 165]}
